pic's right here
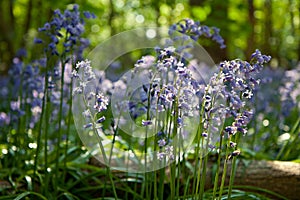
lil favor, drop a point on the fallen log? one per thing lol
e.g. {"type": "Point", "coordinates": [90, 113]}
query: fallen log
{"type": "Point", "coordinates": [278, 176]}
{"type": "Point", "coordinates": [281, 177]}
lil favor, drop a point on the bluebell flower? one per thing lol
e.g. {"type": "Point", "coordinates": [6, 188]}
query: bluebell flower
{"type": "Point", "coordinates": [89, 15]}
{"type": "Point", "coordinates": [89, 125]}
{"type": "Point", "coordinates": [161, 142]}
{"type": "Point", "coordinates": [73, 24]}
{"type": "Point", "coordinates": [87, 113]}
{"type": "Point", "coordinates": [232, 144]}
{"type": "Point", "coordinates": [180, 121]}
{"type": "Point", "coordinates": [234, 153]}
{"type": "Point", "coordinates": [46, 27]}
{"type": "Point", "coordinates": [4, 119]}
{"type": "Point", "coordinates": [101, 119]}
{"type": "Point", "coordinates": [260, 59]}
{"type": "Point", "coordinates": [230, 130]}
{"type": "Point", "coordinates": [160, 134]}
{"type": "Point", "coordinates": [217, 37]}
{"type": "Point", "coordinates": [169, 150]}
{"type": "Point", "coordinates": [15, 105]}
{"type": "Point", "coordinates": [194, 30]}
{"type": "Point", "coordinates": [290, 91]}
{"type": "Point", "coordinates": [21, 53]}
{"type": "Point", "coordinates": [160, 155]}
{"type": "Point", "coordinates": [101, 102]}
{"type": "Point", "coordinates": [146, 122]}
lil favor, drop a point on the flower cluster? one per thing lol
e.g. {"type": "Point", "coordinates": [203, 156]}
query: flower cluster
{"type": "Point", "coordinates": [37, 93]}
{"type": "Point", "coordinates": [95, 103]}
{"type": "Point", "coordinates": [290, 91]}
{"type": "Point", "coordinates": [170, 97]}
{"type": "Point", "coordinates": [237, 83]}
{"type": "Point", "coordinates": [28, 85]}
{"type": "Point", "coordinates": [68, 25]}
{"type": "Point", "coordinates": [175, 91]}
{"type": "Point", "coordinates": [194, 30]}
{"type": "Point", "coordinates": [168, 153]}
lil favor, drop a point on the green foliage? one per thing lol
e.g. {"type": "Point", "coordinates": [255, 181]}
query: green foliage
{"type": "Point", "coordinates": [243, 29]}
{"type": "Point", "coordinates": [39, 164]}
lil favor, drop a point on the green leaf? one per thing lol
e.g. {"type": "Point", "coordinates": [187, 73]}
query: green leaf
{"type": "Point", "coordinates": [21, 196]}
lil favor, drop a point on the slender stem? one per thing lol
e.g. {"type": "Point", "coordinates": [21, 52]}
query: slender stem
{"type": "Point", "coordinates": [199, 169]}
{"type": "Point", "coordinates": [199, 134]}
{"type": "Point", "coordinates": [224, 169]}
{"type": "Point", "coordinates": [233, 167]}
{"type": "Point", "coordinates": [216, 182]}
{"type": "Point", "coordinates": [178, 173]}
{"type": "Point", "coordinates": [69, 124]}
{"type": "Point", "coordinates": [175, 136]}
{"type": "Point", "coordinates": [47, 121]}
{"type": "Point", "coordinates": [102, 150]}
{"type": "Point", "coordinates": [161, 181]}
{"type": "Point", "coordinates": [146, 141]}
{"type": "Point", "coordinates": [135, 185]}
{"type": "Point", "coordinates": [231, 180]}
{"type": "Point", "coordinates": [18, 135]}
{"type": "Point", "coordinates": [110, 156]}
{"type": "Point", "coordinates": [155, 185]}
{"type": "Point", "coordinates": [59, 132]}
{"type": "Point", "coordinates": [39, 136]}
{"type": "Point", "coordinates": [172, 181]}
{"type": "Point", "coordinates": [203, 176]}
{"type": "Point", "coordinates": [155, 158]}
{"type": "Point", "coordinates": [115, 132]}
{"type": "Point", "coordinates": [199, 139]}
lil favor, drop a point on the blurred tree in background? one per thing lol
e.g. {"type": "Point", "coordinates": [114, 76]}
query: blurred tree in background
{"type": "Point", "coordinates": [270, 25]}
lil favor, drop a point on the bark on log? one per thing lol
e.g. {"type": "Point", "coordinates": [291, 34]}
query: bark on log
{"type": "Point", "coordinates": [281, 177]}
{"type": "Point", "coordinates": [277, 176]}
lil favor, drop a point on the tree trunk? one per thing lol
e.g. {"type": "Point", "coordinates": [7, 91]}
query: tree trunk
{"type": "Point", "coordinates": [268, 32]}
{"type": "Point", "coordinates": [251, 39]}
{"type": "Point", "coordinates": [111, 17]}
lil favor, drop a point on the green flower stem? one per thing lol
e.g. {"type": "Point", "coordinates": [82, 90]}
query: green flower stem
{"type": "Point", "coordinates": [199, 168]}
{"type": "Point", "coordinates": [199, 132]}
{"type": "Point", "coordinates": [115, 131]}
{"type": "Point", "coordinates": [59, 132]}
{"type": "Point", "coordinates": [102, 151]}
{"type": "Point", "coordinates": [179, 170]}
{"type": "Point", "coordinates": [155, 158]}
{"type": "Point", "coordinates": [254, 134]}
{"type": "Point", "coordinates": [203, 177]}
{"type": "Point", "coordinates": [46, 132]}
{"type": "Point", "coordinates": [224, 168]}
{"type": "Point", "coordinates": [69, 118]}
{"type": "Point", "coordinates": [161, 183]}
{"type": "Point", "coordinates": [175, 136]}
{"type": "Point", "coordinates": [155, 186]}
{"type": "Point", "coordinates": [216, 182]}
{"type": "Point", "coordinates": [22, 122]}
{"type": "Point", "coordinates": [199, 139]}
{"type": "Point", "coordinates": [110, 152]}
{"type": "Point", "coordinates": [39, 136]}
{"type": "Point", "coordinates": [19, 135]}
{"type": "Point", "coordinates": [147, 185]}
{"type": "Point", "coordinates": [233, 167]}
{"type": "Point", "coordinates": [179, 174]}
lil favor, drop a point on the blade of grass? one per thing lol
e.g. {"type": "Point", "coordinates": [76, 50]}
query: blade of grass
{"type": "Point", "coordinates": [25, 194]}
